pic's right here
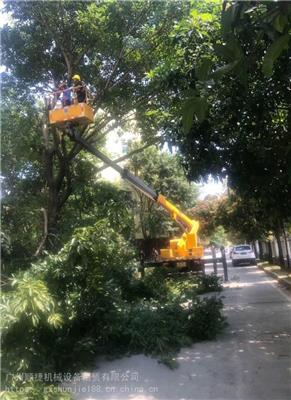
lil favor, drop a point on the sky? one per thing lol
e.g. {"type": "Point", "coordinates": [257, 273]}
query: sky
{"type": "Point", "coordinates": [3, 16]}
{"type": "Point", "coordinates": [212, 187]}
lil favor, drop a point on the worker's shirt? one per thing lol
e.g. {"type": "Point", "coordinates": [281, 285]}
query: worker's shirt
{"type": "Point", "coordinates": [80, 90]}
{"type": "Point", "coordinates": [67, 95]}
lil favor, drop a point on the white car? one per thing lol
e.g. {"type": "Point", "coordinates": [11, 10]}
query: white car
{"type": "Point", "coordinates": [243, 254]}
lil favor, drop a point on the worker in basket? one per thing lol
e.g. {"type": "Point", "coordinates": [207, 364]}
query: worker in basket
{"type": "Point", "coordinates": [70, 105]}
{"type": "Point", "coordinates": [66, 95]}
{"type": "Point", "coordinates": [79, 90]}
{"type": "Point", "coordinates": [62, 96]}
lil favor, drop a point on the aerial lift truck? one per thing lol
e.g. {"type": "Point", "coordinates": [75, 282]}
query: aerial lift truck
{"type": "Point", "coordinates": [183, 252]}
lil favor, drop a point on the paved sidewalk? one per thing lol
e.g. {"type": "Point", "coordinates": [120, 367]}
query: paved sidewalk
{"type": "Point", "coordinates": [249, 361]}
{"type": "Point", "coordinates": [281, 275]}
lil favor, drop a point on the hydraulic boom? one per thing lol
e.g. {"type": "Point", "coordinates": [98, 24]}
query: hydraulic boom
{"type": "Point", "coordinates": [185, 248]}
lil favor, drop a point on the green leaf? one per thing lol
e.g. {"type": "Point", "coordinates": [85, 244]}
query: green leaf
{"type": "Point", "coordinates": [203, 69]}
{"type": "Point", "coordinates": [219, 72]}
{"type": "Point", "coordinates": [230, 51]}
{"type": "Point", "coordinates": [55, 320]}
{"type": "Point", "coordinates": [273, 52]}
{"type": "Point", "coordinates": [280, 22]}
{"type": "Point", "coordinates": [195, 106]}
{"type": "Point", "coordinates": [35, 320]}
{"type": "Point", "coordinates": [200, 108]}
{"type": "Point", "coordinates": [206, 17]}
{"type": "Point", "coordinates": [188, 114]}
{"type": "Point", "coordinates": [39, 305]}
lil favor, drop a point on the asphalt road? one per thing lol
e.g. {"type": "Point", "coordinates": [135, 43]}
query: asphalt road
{"type": "Point", "coordinates": [251, 360]}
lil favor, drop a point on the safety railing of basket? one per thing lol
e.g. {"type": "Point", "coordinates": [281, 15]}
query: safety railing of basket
{"type": "Point", "coordinates": [52, 99]}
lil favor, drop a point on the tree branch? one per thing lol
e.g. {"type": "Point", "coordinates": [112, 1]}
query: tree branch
{"type": "Point", "coordinates": [45, 233]}
{"type": "Point", "coordinates": [122, 51]}
{"type": "Point", "coordinates": [135, 151]}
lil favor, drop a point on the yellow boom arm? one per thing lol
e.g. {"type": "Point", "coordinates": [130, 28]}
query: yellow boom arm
{"type": "Point", "coordinates": [185, 247]}
{"type": "Point", "coordinates": [189, 225]}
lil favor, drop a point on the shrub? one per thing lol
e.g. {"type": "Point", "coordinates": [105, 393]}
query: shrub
{"type": "Point", "coordinates": [28, 313]}
{"type": "Point", "coordinates": [205, 319]}
{"type": "Point", "coordinates": [30, 302]}
{"type": "Point", "coordinates": [209, 283]}
{"type": "Point", "coordinates": [155, 329]}
{"type": "Point", "coordinates": [87, 280]}
{"type": "Point", "coordinates": [88, 300]}
{"type": "Point", "coordinates": [92, 273]}
{"type": "Point", "coordinates": [162, 329]}
{"type": "Point", "coordinates": [179, 286]}
{"type": "Point", "coordinates": [155, 281]}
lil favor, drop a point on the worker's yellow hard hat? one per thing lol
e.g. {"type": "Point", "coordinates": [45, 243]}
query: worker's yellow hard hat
{"type": "Point", "coordinates": [76, 78]}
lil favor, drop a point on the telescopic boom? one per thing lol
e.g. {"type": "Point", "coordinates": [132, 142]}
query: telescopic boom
{"type": "Point", "coordinates": [185, 247]}
{"type": "Point", "coordinates": [134, 180]}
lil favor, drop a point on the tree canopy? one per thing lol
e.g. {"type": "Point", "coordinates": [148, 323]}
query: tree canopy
{"type": "Point", "coordinates": [111, 45]}
{"type": "Point", "coordinates": [226, 101]}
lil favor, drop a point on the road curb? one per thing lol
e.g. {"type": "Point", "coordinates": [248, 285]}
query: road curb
{"type": "Point", "coordinates": [283, 281]}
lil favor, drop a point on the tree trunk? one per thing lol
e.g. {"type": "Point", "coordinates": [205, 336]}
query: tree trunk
{"type": "Point", "coordinates": [53, 211]}
{"type": "Point", "coordinates": [270, 255]}
{"type": "Point", "coordinates": [255, 248]}
{"type": "Point", "coordinates": [57, 172]}
{"type": "Point", "coordinates": [287, 249]}
{"type": "Point", "coordinates": [261, 253]}
{"type": "Point", "coordinates": [281, 257]}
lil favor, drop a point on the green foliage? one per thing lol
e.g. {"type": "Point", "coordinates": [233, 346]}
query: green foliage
{"type": "Point", "coordinates": [231, 218]}
{"type": "Point", "coordinates": [219, 236]}
{"type": "Point", "coordinates": [179, 287]}
{"type": "Point", "coordinates": [161, 326]}
{"type": "Point", "coordinates": [21, 176]}
{"type": "Point", "coordinates": [88, 280]}
{"type": "Point", "coordinates": [28, 306]}
{"type": "Point", "coordinates": [105, 307]}
{"type": "Point", "coordinates": [233, 64]}
{"type": "Point", "coordinates": [203, 69]}
{"type": "Point", "coordinates": [29, 303]}
{"type": "Point", "coordinates": [205, 320]}
{"type": "Point", "coordinates": [205, 211]}
{"type": "Point", "coordinates": [194, 106]}
{"type": "Point", "coordinates": [209, 283]}
{"type": "Point", "coordinates": [157, 329]}
{"type": "Point", "coordinates": [273, 52]}
{"type": "Point", "coordinates": [91, 271]}
{"type": "Point", "coordinates": [112, 46]}
{"type": "Point", "coordinates": [94, 201]}
{"type": "Point", "coordinates": [244, 219]}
